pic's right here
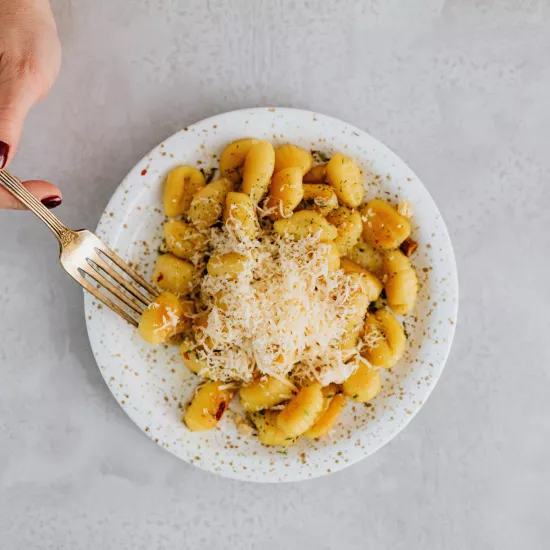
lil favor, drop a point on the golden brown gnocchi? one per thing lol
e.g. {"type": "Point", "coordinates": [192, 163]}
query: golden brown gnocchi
{"type": "Point", "coordinates": [268, 431]}
{"type": "Point", "coordinates": [239, 215]}
{"type": "Point", "coordinates": [290, 155]}
{"type": "Point", "coordinates": [181, 184]}
{"type": "Point", "coordinates": [364, 384]}
{"type": "Point", "coordinates": [207, 407]}
{"type": "Point", "coordinates": [160, 318]}
{"type": "Point", "coordinates": [348, 223]}
{"type": "Point", "coordinates": [383, 226]}
{"type": "Point", "coordinates": [384, 339]}
{"type": "Point", "coordinates": [273, 303]}
{"type": "Point", "coordinates": [264, 393]}
{"type": "Point", "coordinates": [258, 169]}
{"type": "Point", "coordinates": [208, 203]}
{"type": "Point", "coordinates": [401, 282]}
{"type": "Point", "coordinates": [302, 410]}
{"type": "Point", "coordinates": [233, 157]}
{"type": "Point", "coordinates": [319, 197]}
{"type": "Point", "coordinates": [285, 192]}
{"type": "Point", "coordinates": [184, 240]}
{"type": "Point", "coordinates": [304, 223]}
{"type": "Point", "coordinates": [174, 274]}
{"type": "Point", "coordinates": [345, 177]}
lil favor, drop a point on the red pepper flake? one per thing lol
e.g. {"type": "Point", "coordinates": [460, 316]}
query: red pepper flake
{"type": "Point", "coordinates": [143, 172]}
{"type": "Point", "coordinates": [220, 411]}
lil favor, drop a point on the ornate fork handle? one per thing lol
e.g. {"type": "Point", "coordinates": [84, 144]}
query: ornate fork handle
{"type": "Point", "coordinates": [19, 191]}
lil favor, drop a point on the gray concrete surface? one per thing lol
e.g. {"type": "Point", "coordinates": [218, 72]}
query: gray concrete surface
{"type": "Point", "coordinates": [461, 90]}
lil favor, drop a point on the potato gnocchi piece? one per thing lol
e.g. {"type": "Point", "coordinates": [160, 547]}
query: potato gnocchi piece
{"type": "Point", "coordinates": [349, 341]}
{"type": "Point", "coordinates": [358, 302]}
{"type": "Point", "coordinates": [233, 157]}
{"type": "Point", "coordinates": [371, 285]}
{"type": "Point", "coordinates": [290, 155]}
{"type": "Point", "coordinates": [345, 177]}
{"type": "Point", "coordinates": [301, 411]}
{"type": "Point", "coordinates": [304, 223]}
{"type": "Point", "coordinates": [401, 282]}
{"type": "Point", "coordinates": [184, 240]}
{"type": "Point", "coordinates": [160, 318]}
{"type": "Point", "coordinates": [384, 339]}
{"type": "Point", "coordinates": [264, 393]}
{"type": "Point", "coordinates": [364, 384]}
{"type": "Point", "coordinates": [174, 274]}
{"type": "Point", "coordinates": [207, 407]}
{"type": "Point", "coordinates": [239, 215]}
{"type": "Point", "coordinates": [190, 356]}
{"type": "Point", "coordinates": [319, 197]}
{"type": "Point", "coordinates": [181, 184]}
{"type": "Point", "coordinates": [208, 203]}
{"type": "Point", "coordinates": [268, 432]}
{"type": "Point", "coordinates": [285, 192]}
{"type": "Point", "coordinates": [330, 250]}
{"type": "Point", "coordinates": [258, 169]}
{"type": "Point", "coordinates": [366, 256]}
{"type": "Point", "coordinates": [383, 226]}
{"type": "Point", "coordinates": [326, 420]}
{"type": "Point", "coordinates": [317, 174]}
{"type": "Point", "coordinates": [185, 323]}
{"type": "Point", "coordinates": [348, 223]}
{"type": "Point", "coordinates": [226, 265]}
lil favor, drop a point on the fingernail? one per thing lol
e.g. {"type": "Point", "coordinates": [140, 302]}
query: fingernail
{"type": "Point", "coordinates": [4, 151]}
{"type": "Point", "coordinates": [51, 202]}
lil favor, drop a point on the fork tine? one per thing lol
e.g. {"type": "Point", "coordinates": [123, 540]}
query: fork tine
{"type": "Point", "coordinates": [120, 279]}
{"type": "Point", "coordinates": [102, 298]}
{"type": "Point", "coordinates": [128, 270]}
{"type": "Point", "coordinates": [99, 278]}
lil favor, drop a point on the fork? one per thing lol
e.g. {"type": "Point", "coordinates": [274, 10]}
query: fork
{"type": "Point", "coordinates": [83, 254]}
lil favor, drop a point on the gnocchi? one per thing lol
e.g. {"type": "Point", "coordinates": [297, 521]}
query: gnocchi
{"type": "Point", "coordinates": [258, 169]}
{"type": "Point", "coordinates": [364, 384]}
{"type": "Point", "coordinates": [173, 274]}
{"type": "Point", "coordinates": [207, 204]}
{"type": "Point", "coordinates": [266, 285]}
{"type": "Point", "coordinates": [383, 226]}
{"type": "Point", "coordinates": [181, 184]}
{"type": "Point", "coordinates": [384, 339]}
{"type": "Point", "coordinates": [289, 155]}
{"type": "Point", "coordinates": [401, 282]}
{"type": "Point", "coordinates": [319, 197]}
{"type": "Point", "coordinates": [208, 406]}
{"type": "Point", "coordinates": [239, 215]}
{"type": "Point", "coordinates": [348, 224]}
{"type": "Point", "coordinates": [285, 192]}
{"type": "Point", "coordinates": [233, 157]}
{"type": "Point", "coordinates": [264, 393]}
{"type": "Point", "coordinates": [345, 177]}
{"type": "Point", "coordinates": [304, 223]}
{"type": "Point", "coordinates": [160, 318]}
{"type": "Point", "coordinates": [184, 240]}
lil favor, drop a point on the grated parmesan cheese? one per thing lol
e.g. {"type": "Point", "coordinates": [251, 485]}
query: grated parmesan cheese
{"type": "Point", "coordinates": [284, 314]}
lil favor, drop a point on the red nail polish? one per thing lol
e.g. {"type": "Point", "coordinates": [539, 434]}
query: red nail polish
{"type": "Point", "coordinates": [51, 202]}
{"type": "Point", "coordinates": [4, 151]}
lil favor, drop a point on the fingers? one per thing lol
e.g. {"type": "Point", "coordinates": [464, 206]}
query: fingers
{"type": "Point", "coordinates": [15, 103]}
{"type": "Point", "coordinates": [47, 193]}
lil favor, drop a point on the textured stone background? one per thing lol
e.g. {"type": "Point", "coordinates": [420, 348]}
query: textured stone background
{"type": "Point", "coordinates": [461, 90]}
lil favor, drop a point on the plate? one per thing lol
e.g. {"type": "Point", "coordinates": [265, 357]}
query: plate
{"type": "Point", "coordinates": [152, 385]}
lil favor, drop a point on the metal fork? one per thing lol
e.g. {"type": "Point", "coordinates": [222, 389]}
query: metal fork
{"type": "Point", "coordinates": [82, 253]}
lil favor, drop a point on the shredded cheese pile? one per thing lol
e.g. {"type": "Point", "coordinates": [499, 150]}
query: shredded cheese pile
{"type": "Point", "coordinates": [284, 314]}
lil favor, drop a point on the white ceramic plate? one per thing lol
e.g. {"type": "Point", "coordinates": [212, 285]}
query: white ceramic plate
{"type": "Point", "coordinates": [152, 385]}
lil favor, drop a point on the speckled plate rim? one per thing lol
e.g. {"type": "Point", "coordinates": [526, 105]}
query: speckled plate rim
{"type": "Point", "coordinates": [111, 235]}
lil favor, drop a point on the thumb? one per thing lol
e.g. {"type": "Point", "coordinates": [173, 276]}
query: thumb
{"type": "Point", "coordinates": [47, 193]}
{"type": "Point", "coordinates": [15, 102]}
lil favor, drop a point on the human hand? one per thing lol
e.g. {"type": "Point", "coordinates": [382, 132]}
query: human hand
{"type": "Point", "coordinates": [30, 57]}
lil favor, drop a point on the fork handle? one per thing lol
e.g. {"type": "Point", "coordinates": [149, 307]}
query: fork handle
{"type": "Point", "coordinates": [20, 192]}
